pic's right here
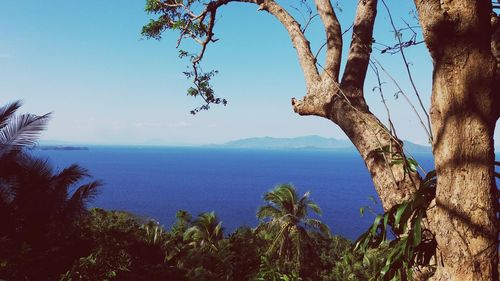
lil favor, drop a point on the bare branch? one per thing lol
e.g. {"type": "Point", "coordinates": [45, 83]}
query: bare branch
{"type": "Point", "coordinates": [300, 42]}
{"type": "Point", "coordinates": [360, 49]}
{"type": "Point", "coordinates": [400, 91]}
{"type": "Point", "coordinates": [410, 77]}
{"type": "Point", "coordinates": [307, 20]}
{"type": "Point", "coordinates": [333, 38]}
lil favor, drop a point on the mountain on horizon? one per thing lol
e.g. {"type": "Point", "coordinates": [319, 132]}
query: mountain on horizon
{"type": "Point", "coordinates": [307, 142]}
{"type": "Point", "coordinates": [317, 142]}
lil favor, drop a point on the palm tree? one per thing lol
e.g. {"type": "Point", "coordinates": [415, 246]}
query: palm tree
{"type": "Point", "coordinates": [38, 206]}
{"type": "Point", "coordinates": [32, 196]}
{"type": "Point", "coordinates": [40, 200]}
{"type": "Point", "coordinates": [285, 217]}
{"type": "Point", "coordinates": [206, 231]}
{"type": "Point", "coordinates": [18, 131]}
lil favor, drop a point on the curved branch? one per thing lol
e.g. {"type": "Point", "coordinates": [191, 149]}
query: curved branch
{"type": "Point", "coordinates": [359, 52]}
{"type": "Point", "coordinates": [300, 42]}
{"type": "Point", "coordinates": [333, 38]}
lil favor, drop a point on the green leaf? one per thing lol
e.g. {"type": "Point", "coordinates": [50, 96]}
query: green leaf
{"type": "Point", "coordinates": [412, 164]}
{"type": "Point", "coordinates": [399, 213]}
{"type": "Point", "coordinates": [396, 161]}
{"type": "Point", "coordinates": [375, 224]}
{"type": "Point", "coordinates": [417, 231]}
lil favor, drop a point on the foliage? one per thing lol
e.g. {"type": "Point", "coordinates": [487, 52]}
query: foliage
{"type": "Point", "coordinates": [180, 15]}
{"type": "Point", "coordinates": [269, 272]}
{"type": "Point", "coordinates": [285, 219]}
{"type": "Point", "coordinates": [205, 232]}
{"type": "Point", "coordinates": [38, 206]}
{"type": "Point", "coordinates": [413, 245]}
{"type": "Point", "coordinates": [19, 131]}
{"type": "Point", "coordinates": [355, 266]}
{"type": "Point", "coordinates": [120, 248]}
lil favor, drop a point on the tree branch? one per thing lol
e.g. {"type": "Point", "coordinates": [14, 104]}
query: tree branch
{"type": "Point", "coordinates": [360, 49]}
{"type": "Point", "coordinates": [333, 38]}
{"type": "Point", "coordinates": [198, 23]}
{"type": "Point", "coordinates": [300, 42]}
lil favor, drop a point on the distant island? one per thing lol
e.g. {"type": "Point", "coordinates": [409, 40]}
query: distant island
{"type": "Point", "coordinates": [61, 147]}
{"type": "Point", "coordinates": [306, 142]}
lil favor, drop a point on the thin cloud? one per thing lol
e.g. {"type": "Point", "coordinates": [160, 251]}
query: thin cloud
{"type": "Point", "coordinates": [180, 124]}
{"type": "Point", "coordinates": [147, 124]}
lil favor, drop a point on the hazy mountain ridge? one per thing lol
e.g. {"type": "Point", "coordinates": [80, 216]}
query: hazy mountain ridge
{"type": "Point", "coordinates": [306, 142]}
{"type": "Point", "coordinates": [287, 143]}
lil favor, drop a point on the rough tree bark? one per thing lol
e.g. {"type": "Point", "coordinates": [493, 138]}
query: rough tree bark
{"type": "Point", "coordinates": [464, 111]}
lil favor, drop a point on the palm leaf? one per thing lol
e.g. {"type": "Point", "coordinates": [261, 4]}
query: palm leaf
{"type": "Point", "coordinates": [7, 111]}
{"type": "Point", "coordinates": [268, 211]}
{"type": "Point", "coordinates": [314, 207]}
{"type": "Point", "coordinates": [23, 130]}
{"type": "Point", "coordinates": [62, 181]}
{"type": "Point", "coordinates": [84, 194]}
{"type": "Point", "coordinates": [318, 225]}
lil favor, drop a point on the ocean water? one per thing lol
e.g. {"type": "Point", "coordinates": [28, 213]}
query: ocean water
{"type": "Point", "coordinates": [157, 182]}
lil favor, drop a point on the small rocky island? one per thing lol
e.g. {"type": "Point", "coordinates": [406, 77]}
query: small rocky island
{"type": "Point", "coordinates": [61, 147]}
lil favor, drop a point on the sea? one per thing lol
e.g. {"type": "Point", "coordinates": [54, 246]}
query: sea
{"type": "Point", "coordinates": [156, 182]}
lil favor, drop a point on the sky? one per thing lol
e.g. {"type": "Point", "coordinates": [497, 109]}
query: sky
{"type": "Point", "coordinates": [86, 62]}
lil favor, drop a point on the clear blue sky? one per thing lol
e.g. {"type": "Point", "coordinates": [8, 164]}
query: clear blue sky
{"type": "Point", "coordinates": [86, 62]}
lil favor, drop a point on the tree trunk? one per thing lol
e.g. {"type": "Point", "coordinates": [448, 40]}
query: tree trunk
{"type": "Point", "coordinates": [344, 104]}
{"type": "Point", "coordinates": [463, 116]}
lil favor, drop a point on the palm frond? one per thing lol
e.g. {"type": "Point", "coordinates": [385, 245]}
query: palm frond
{"type": "Point", "coordinates": [268, 211]}
{"type": "Point", "coordinates": [314, 207]}
{"type": "Point", "coordinates": [191, 233]}
{"type": "Point", "coordinates": [69, 176]}
{"type": "Point", "coordinates": [23, 130]}
{"type": "Point", "coordinates": [61, 182]}
{"type": "Point", "coordinates": [318, 225]}
{"type": "Point", "coordinates": [85, 193]}
{"type": "Point", "coordinates": [7, 111]}
{"type": "Point", "coordinates": [36, 169]}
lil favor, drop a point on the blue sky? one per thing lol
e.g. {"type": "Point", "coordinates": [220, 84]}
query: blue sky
{"type": "Point", "coordinates": [86, 62]}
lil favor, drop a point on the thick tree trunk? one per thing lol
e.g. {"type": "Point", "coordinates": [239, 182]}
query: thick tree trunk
{"type": "Point", "coordinates": [463, 116]}
{"type": "Point", "coordinates": [465, 220]}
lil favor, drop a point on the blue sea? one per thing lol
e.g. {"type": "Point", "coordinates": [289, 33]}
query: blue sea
{"type": "Point", "coordinates": [154, 182]}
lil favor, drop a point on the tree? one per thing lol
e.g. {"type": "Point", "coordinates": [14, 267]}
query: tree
{"type": "Point", "coordinates": [38, 206]}
{"type": "Point", "coordinates": [286, 217]}
{"type": "Point", "coordinates": [206, 231]}
{"type": "Point", "coordinates": [465, 107]}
